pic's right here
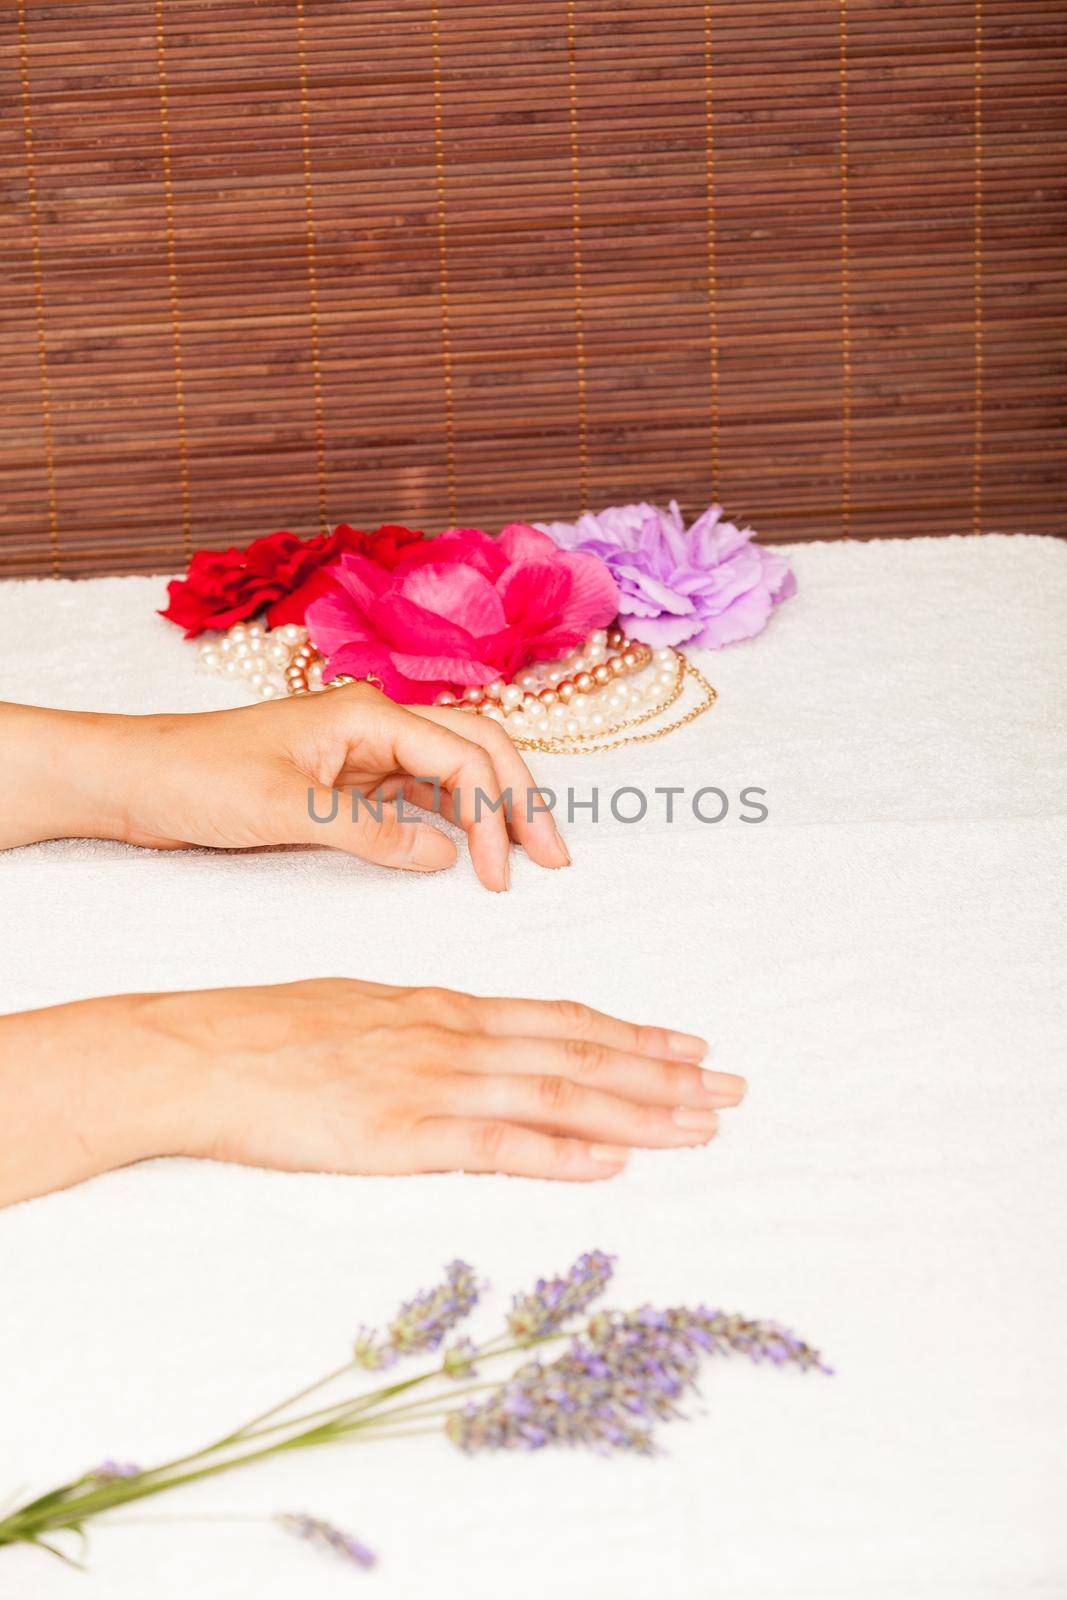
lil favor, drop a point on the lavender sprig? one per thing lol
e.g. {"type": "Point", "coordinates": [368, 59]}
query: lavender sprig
{"type": "Point", "coordinates": [555, 1301]}
{"type": "Point", "coordinates": [423, 1322]}
{"type": "Point", "coordinates": [316, 1531]}
{"type": "Point", "coordinates": [618, 1378]}
{"type": "Point", "coordinates": [627, 1372]}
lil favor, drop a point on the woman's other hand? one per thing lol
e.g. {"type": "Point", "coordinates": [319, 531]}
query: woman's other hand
{"type": "Point", "coordinates": [340, 1076]}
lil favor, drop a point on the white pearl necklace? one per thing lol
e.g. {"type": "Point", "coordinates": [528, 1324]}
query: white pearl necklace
{"type": "Point", "coordinates": [258, 656]}
{"type": "Point", "coordinates": [607, 684]}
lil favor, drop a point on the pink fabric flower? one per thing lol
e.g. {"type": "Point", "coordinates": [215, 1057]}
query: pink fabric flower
{"type": "Point", "coordinates": [459, 610]}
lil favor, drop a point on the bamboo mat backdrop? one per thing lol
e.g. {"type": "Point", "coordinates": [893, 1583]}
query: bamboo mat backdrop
{"type": "Point", "coordinates": [276, 265]}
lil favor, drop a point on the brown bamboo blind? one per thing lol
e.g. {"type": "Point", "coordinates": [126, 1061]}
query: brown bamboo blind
{"type": "Point", "coordinates": [282, 264]}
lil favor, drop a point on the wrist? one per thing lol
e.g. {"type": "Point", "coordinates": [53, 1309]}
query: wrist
{"type": "Point", "coordinates": [86, 1088]}
{"type": "Point", "coordinates": [66, 774]}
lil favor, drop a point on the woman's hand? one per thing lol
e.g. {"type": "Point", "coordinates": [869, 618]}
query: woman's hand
{"type": "Point", "coordinates": [339, 1076]}
{"type": "Point", "coordinates": [265, 774]}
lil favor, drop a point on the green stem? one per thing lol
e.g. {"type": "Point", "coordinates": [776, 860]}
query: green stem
{"type": "Point", "coordinates": [368, 1415]}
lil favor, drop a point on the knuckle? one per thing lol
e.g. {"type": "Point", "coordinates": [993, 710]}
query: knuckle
{"type": "Point", "coordinates": [448, 1007]}
{"type": "Point", "coordinates": [584, 1058]}
{"type": "Point", "coordinates": [573, 1015]}
{"type": "Point", "coordinates": [489, 1141]}
{"type": "Point", "coordinates": [652, 1040]}
{"type": "Point", "coordinates": [554, 1094]}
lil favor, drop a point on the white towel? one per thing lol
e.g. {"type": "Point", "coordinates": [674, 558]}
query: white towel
{"type": "Point", "coordinates": [882, 958]}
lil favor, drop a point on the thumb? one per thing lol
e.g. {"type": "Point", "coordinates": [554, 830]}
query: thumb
{"type": "Point", "coordinates": [373, 830]}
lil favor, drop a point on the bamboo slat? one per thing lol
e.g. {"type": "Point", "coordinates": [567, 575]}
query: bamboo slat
{"type": "Point", "coordinates": [279, 263]}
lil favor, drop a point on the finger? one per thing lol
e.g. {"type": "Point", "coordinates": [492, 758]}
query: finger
{"type": "Point", "coordinates": [560, 1106]}
{"type": "Point", "coordinates": [372, 830]}
{"type": "Point", "coordinates": [570, 1019]}
{"type": "Point", "coordinates": [531, 824]}
{"type": "Point", "coordinates": [420, 747]}
{"type": "Point", "coordinates": [479, 1145]}
{"type": "Point", "coordinates": [598, 1066]}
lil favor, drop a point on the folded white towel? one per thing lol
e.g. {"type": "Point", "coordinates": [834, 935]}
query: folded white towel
{"type": "Point", "coordinates": [882, 957]}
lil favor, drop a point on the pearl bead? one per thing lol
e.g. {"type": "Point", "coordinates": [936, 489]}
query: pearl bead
{"type": "Point", "coordinates": [601, 673]}
{"type": "Point", "coordinates": [598, 721]}
{"type": "Point", "coordinates": [548, 697]}
{"type": "Point", "coordinates": [495, 689]}
{"type": "Point", "coordinates": [666, 655]}
{"type": "Point", "coordinates": [493, 713]}
{"type": "Point", "coordinates": [616, 666]}
{"type": "Point", "coordinates": [534, 709]}
{"type": "Point", "coordinates": [579, 663]}
{"type": "Point", "coordinates": [583, 682]}
{"type": "Point", "coordinates": [278, 653]}
{"type": "Point", "coordinates": [445, 698]}
{"type": "Point", "coordinates": [528, 680]}
{"type": "Point", "coordinates": [511, 695]}
{"type": "Point", "coordinates": [517, 723]}
{"type": "Point", "coordinates": [225, 646]}
{"type": "Point", "coordinates": [615, 637]}
{"type": "Point", "coordinates": [474, 696]}
{"type": "Point", "coordinates": [240, 647]}
{"type": "Point", "coordinates": [572, 727]}
{"type": "Point", "coordinates": [291, 634]}
{"type": "Point", "coordinates": [268, 689]}
{"type": "Point", "coordinates": [315, 673]}
{"type": "Point", "coordinates": [567, 691]}
{"type": "Point", "coordinates": [210, 659]}
{"type": "Point", "coordinates": [558, 712]}
{"type": "Point", "coordinates": [246, 665]}
{"type": "Point", "coordinates": [230, 666]}
{"type": "Point", "coordinates": [256, 680]}
{"type": "Point", "coordinates": [598, 637]}
{"type": "Point", "coordinates": [238, 631]}
{"type": "Point", "coordinates": [595, 652]}
{"type": "Point", "coordinates": [255, 630]}
{"type": "Point", "coordinates": [629, 660]}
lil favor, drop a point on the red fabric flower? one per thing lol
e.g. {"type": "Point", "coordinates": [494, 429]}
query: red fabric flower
{"type": "Point", "coordinates": [460, 609]}
{"type": "Point", "coordinates": [280, 571]}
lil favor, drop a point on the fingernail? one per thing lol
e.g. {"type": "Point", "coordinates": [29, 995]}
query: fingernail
{"type": "Point", "coordinates": [611, 1154]}
{"type": "Point", "coordinates": [507, 872]}
{"type": "Point", "coordinates": [689, 1045]}
{"type": "Point", "coordinates": [695, 1121]}
{"type": "Point", "coordinates": [726, 1089]}
{"type": "Point", "coordinates": [564, 852]}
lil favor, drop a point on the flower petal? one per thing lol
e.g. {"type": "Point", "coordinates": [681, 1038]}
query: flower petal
{"type": "Point", "coordinates": [457, 592]}
{"type": "Point", "coordinates": [520, 541]}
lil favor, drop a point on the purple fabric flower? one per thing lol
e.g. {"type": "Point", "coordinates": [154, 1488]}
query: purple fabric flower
{"type": "Point", "coordinates": [706, 585]}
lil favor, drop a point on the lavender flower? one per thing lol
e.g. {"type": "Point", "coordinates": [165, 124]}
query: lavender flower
{"type": "Point", "coordinates": [325, 1534]}
{"type": "Point", "coordinates": [627, 1372]}
{"type": "Point", "coordinates": [706, 585]}
{"type": "Point", "coordinates": [458, 1360]}
{"type": "Point", "coordinates": [555, 1300]}
{"type": "Point", "coordinates": [422, 1323]}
